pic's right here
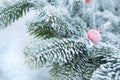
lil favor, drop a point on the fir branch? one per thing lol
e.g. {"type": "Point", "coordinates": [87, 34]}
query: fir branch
{"type": "Point", "coordinates": [99, 54]}
{"type": "Point", "coordinates": [114, 40]}
{"type": "Point", "coordinates": [13, 11]}
{"type": "Point", "coordinates": [55, 27]}
{"type": "Point", "coordinates": [76, 8]}
{"type": "Point", "coordinates": [103, 50]}
{"type": "Point", "coordinates": [108, 71]}
{"type": "Point", "coordinates": [75, 69]}
{"type": "Point", "coordinates": [54, 50]}
{"type": "Point", "coordinates": [59, 28]}
{"type": "Point", "coordinates": [55, 23]}
{"type": "Point", "coordinates": [39, 30]}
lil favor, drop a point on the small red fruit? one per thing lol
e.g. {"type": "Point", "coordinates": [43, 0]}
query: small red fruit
{"type": "Point", "coordinates": [88, 1]}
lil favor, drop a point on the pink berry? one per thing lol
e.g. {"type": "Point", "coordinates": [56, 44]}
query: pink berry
{"type": "Point", "coordinates": [94, 35]}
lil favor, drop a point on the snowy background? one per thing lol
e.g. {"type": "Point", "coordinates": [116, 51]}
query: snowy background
{"type": "Point", "coordinates": [12, 41]}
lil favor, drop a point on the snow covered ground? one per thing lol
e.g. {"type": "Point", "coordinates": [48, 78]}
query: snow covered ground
{"type": "Point", "coordinates": [12, 41]}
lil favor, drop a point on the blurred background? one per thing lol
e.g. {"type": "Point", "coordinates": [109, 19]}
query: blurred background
{"type": "Point", "coordinates": [12, 42]}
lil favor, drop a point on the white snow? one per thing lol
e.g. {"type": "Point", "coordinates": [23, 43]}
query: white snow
{"type": "Point", "coordinates": [13, 39]}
